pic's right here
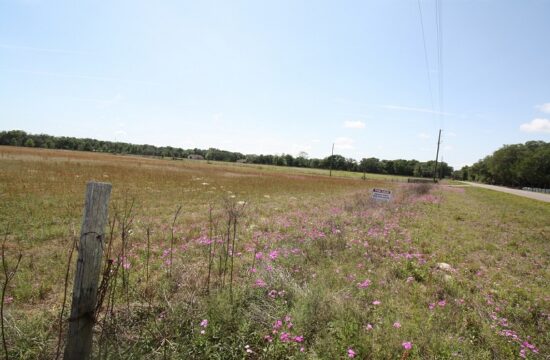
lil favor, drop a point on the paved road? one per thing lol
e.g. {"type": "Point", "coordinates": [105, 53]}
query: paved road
{"type": "Point", "coordinates": [527, 194]}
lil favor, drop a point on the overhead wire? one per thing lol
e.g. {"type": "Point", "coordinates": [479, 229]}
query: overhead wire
{"type": "Point", "coordinates": [427, 62]}
{"type": "Point", "coordinates": [439, 26]}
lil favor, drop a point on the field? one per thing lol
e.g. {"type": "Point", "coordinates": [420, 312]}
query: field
{"type": "Point", "coordinates": [273, 263]}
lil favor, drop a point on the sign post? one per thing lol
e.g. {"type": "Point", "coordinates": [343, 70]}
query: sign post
{"type": "Point", "coordinates": [381, 194]}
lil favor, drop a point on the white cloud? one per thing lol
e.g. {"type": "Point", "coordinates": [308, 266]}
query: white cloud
{"type": "Point", "coordinates": [354, 124]}
{"type": "Point", "coordinates": [545, 108]}
{"type": "Point", "coordinates": [536, 125]}
{"type": "Point", "coordinates": [343, 143]}
{"type": "Point", "coordinates": [424, 136]}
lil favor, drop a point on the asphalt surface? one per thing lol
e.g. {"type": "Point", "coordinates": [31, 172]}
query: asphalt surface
{"type": "Point", "coordinates": [524, 193]}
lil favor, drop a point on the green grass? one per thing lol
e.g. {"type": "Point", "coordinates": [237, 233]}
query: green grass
{"type": "Point", "coordinates": [319, 237]}
{"type": "Point", "coordinates": [309, 171]}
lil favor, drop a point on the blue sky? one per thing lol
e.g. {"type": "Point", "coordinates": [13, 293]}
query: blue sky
{"type": "Point", "coordinates": [280, 76]}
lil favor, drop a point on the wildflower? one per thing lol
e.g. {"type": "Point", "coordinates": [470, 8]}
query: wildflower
{"type": "Point", "coordinates": [203, 332]}
{"type": "Point", "coordinates": [268, 338]}
{"type": "Point", "coordinates": [259, 255]}
{"type": "Point", "coordinates": [302, 349]}
{"type": "Point", "coordinates": [376, 302]}
{"type": "Point", "coordinates": [274, 255]}
{"type": "Point", "coordinates": [529, 346]}
{"type": "Point", "coordinates": [278, 324]}
{"type": "Point", "coordinates": [298, 339]}
{"type": "Point", "coordinates": [431, 306]}
{"type": "Point", "coordinates": [442, 303]}
{"type": "Point", "coordinates": [522, 353]}
{"type": "Point", "coordinates": [365, 284]}
{"type": "Point", "coordinates": [407, 345]}
{"type": "Point", "coordinates": [126, 264]}
{"type": "Point", "coordinates": [285, 337]}
{"type": "Point", "coordinates": [204, 323]}
{"type": "Point", "coordinates": [410, 279]}
{"type": "Point", "coordinates": [260, 283]}
{"type": "Point", "coordinates": [351, 353]}
{"type": "Point", "coordinates": [369, 327]}
{"type": "Point", "coordinates": [397, 324]}
{"type": "Point", "coordinates": [248, 349]}
{"type": "Point", "coordinates": [8, 300]}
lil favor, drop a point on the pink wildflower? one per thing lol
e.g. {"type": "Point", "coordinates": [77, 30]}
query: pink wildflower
{"type": "Point", "coordinates": [376, 302]}
{"type": "Point", "coordinates": [431, 306]}
{"type": "Point", "coordinates": [369, 327]}
{"type": "Point", "coordinates": [277, 324]}
{"type": "Point", "coordinates": [285, 337]}
{"type": "Point", "coordinates": [204, 323]}
{"type": "Point", "coordinates": [260, 283]}
{"type": "Point", "coordinates": [442, 303]}
{"type": "Point", "coordinates": [298, 339]}
{"type": "Point", "coordinates": [397, 324]}
{"type": "Point", "coordinates": [365, 284]}
{"type": "Point", "coordinates": [351, 353]}
{"type": "Point", "coordinates": [407, 345]}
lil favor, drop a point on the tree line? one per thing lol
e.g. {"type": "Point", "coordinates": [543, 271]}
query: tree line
{"type": "Point", "coordinates": [336, 162]}
{"type": "Point", "coordinates": [515, 165]}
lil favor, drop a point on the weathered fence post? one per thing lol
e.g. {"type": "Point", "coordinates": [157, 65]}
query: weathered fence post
{"type": "Point", "coordinates": [88, 267]}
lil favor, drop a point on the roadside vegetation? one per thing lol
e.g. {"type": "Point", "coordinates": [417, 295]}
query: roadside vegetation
{"type": "Point", "coordinates": [218, 261]}
{"type": "Point", "coordinates": [518, 165]}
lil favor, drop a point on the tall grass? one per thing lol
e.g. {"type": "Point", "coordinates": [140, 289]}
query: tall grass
{"type": "Point", "coordinates": [275, 266]}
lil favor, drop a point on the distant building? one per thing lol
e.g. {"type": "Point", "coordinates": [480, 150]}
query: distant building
{"type": "Point", "coordinates": [195, 157]}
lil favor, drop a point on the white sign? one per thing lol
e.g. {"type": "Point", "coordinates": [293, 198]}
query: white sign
{"type": "Point", "coordinates": [381, 194]}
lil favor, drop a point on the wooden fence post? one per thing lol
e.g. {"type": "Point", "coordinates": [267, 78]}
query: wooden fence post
{"type": "Point", "coordinates": [88, 267]}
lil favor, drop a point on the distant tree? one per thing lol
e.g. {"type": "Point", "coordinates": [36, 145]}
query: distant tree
{"type": "Point", "coordinates": [29, 142]}
{"type": "Point", "coordinates": [371, 165]}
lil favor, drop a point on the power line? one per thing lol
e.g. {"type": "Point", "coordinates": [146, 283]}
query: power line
{"type": "Point", "coordinates": [439, 25]}
{"type": "Point", "coordinates": [426, 55]}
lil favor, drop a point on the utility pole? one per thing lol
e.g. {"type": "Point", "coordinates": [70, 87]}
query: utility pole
{"type": "Point", "coordinates": [437, 155]}
{"type": "Point", "coordinates": [331, 160]}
